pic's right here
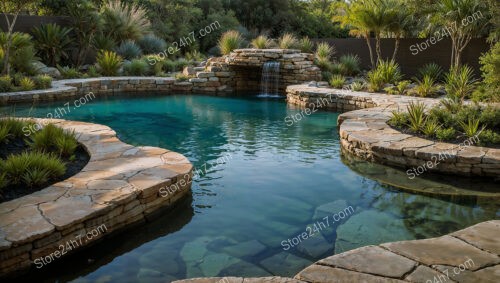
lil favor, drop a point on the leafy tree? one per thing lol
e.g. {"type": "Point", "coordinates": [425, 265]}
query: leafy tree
{"type": "Point", "coordinates": [450, 14]}
{"type": "Point", "coordinates": [14, 7]}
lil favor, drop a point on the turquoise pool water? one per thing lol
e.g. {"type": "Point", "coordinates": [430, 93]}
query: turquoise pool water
{"type": "Point", "coordinates": [263, 185]}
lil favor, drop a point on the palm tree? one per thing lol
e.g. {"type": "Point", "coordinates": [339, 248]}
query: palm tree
{"type": "Point", "coordinates": [365, 17]}
{"type": "Point", "coordinates": [357, 18]}
{"type": "Point", "coordinates": [401, 22]}
{"type": "Point", "coordinates": [463, 19]}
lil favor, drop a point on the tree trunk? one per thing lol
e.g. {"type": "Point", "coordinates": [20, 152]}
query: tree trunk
{"type": "Point", "coordinates": [367, 37]}
{"type": "Point", "coordinates": [10, 26]}
{"type": "Point", "coordinates": [378, 49]}
{"type": "Point", "coordinates": [396, 47]}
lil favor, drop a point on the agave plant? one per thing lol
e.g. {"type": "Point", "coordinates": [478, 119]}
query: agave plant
{"type": "Point", "coordinates": [416, 116]}
{"type": "Point", "coordinates": [432, 69]}
{"type": "Point", "coordinates": [151, 44]}
{"type": "Point", "coordinates": [129, 50]}
{"type": "Point", "coordinates": [109, 63]}
{"type": "Point", "coordinates": [430, 127]}
{"type": "Point", "coordinates": [471, 128]}
{"type": "Point", "coordinates": [53, 43]}
{"type": "Point", "coordinates": [389, 71]}
{"type": "Point", "coordinates": [230, 41]}
{"type": "Point", "coordinates": [426, 87]}
{"type": "Point", "coordinates": [337, 81]}
{"type": "Point", "coordinates": [460, 82]}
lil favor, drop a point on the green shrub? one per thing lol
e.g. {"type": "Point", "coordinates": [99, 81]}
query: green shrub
{"type": "Point", "coordinates": [3, 181]}
{"type": "Point", "coordinates": [426, 87]}
{"type": "Point", "coordinates": [109, 63]}
{"type": "Point", "coordinates": [27, 84]}
{"type": "Point", "coordinates": [151, 44]}
{"type": "Point", "coordinates": [471, 127]}
{"type": "Point", "coordinates": [336, 68]}
{"type": "Point", "coordinates": [230, 41]}
{"type": "Point", "coordinates": [54, 139]}
{"type": "Point", "coordinates": [466, 113]}
{"type": "Point", "coordinates": [460, 82]}
{"type": "Point", "coordinates": [430, 127]}
{"type": "Point", "coordinates": [375, 80]}
{"type": "Point", "coordinates": [52, 42]}
{"type": "Point", "coordinates": [92, 72]}
{"type": "Point", "coordinates": [181, 77]}
{"type": "Point", "coordinates": [43, 81]}
{"type": "Point", "coordinates": [15, 126]}
{"type": "Point", "coordinates": [137, 67]}
{"type": "Point", "coordinates": [170, 66]}
{"type": "Point", "coordinates": [4, 133]}
{"type": "Point", "coordinates": [443, 116]}
{"type": "Point", "coordinates": [488, 137]}
{"type": "Point", "coordinates": [129, 50]}
{"type": "Point", "coordinates": [194, 56]}
{"type": "Point", "coordinates": [446, 134]}
{"type": "Point", "coordinates": [324, 64]}
{"type": "Point", "coordinates": [261, 42]}
{"type": "Point", "coordinates": [306, 45]}
{"type": "Point", "coordinates": [5, 83]}
{"type": "Point", "coordinates": [452, 104]}
{"type": "Point", "coordinates": [358, 86]}
{"type": "Point", "coordinates": [25, 167]}
{"type": "Point", "coordinates": [490, 67]}
{"type": "Point", "coordinates": [181, 63]}
{"type": "Point", "coordinates": [124, 21]}
{"type": "Point", "coordinates": [399, 89]}
{"type": "Point", "coordinates": [389, 71]}
{"type": "Point", "coordinates": [351, 64]}
{"type": "Point", "coordinates": [66, 144]}
{"type": "Point", "coordinates": [103, 42]}
{"type": "Point", "coordinates": [416, 116]}
{"type": "Point", "coordinates": [432, 70]}
{"type": "Point", "coordinates": [337, 81]}
{"type": "Point", "coordinates": [324, 52]}
{"type": "Point", "coordinates": [288, 41]}
{"type": "Point", "coordinates": [490, 116]}
{"type": "Point", "coordinates": [398, 119]}
{"type": "Point", "coordinates": [22, 52]}
{"type": "Point", "coordinates": [69, 73]}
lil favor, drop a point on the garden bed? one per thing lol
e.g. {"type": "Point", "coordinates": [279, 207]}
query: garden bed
{"type": "Point", "coordinates": [15, 147]}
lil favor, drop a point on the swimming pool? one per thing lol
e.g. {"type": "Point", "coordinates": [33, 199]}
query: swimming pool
{"type": "Point", "coordinates": [271, 197]}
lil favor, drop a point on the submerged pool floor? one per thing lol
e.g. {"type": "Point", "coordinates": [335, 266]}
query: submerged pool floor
{"type": "Point", "coordinates": [263, 186]}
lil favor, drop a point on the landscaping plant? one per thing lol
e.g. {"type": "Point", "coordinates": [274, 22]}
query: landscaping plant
{"type": "Point", "coordinates": [230, 41]}
{"type": "Point", "coordinates": [109, 63]}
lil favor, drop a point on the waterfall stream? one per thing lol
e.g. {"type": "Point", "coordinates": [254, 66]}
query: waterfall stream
{"type": "Point", "coordinates": [270, 78]}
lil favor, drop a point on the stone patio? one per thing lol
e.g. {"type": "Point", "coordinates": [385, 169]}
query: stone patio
{"type": "Point", "coordinates": [117, 188]}
{"type": "Point", "coordinates": [469, 255]}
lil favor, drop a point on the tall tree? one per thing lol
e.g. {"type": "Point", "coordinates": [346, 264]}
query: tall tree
{"type": "Point", "coordinates": [11, 10]}
{"type": "Point", "coordinates": [464, 19]}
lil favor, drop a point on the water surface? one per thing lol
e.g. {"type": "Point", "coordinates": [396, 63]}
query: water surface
{"type": "Point", "coordinates": [265, 183]}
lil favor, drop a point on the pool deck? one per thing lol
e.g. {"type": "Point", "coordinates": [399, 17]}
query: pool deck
{"type": "Point", "coordinates": [468, 255]}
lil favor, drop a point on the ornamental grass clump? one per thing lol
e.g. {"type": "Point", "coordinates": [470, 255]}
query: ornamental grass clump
{"type": "Point", "coordinates": [230, 41]}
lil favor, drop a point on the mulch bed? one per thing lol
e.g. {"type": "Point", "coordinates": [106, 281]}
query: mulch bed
{"type": "Point", "coordinates": [18, 146]}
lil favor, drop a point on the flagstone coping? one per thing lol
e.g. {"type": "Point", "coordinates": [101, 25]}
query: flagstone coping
{"type": "Point", "coordinates": [120, 186]}
{"type": "Point", "coordinates": [469, 255]}
{"type": "Point", "coordinates": [364, 132]}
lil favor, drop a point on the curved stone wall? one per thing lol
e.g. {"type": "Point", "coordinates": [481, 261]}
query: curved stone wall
{"type": "Point", "coordinates": [366, 134]}
{"type": "Point", "coordinates": [121, 185]}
